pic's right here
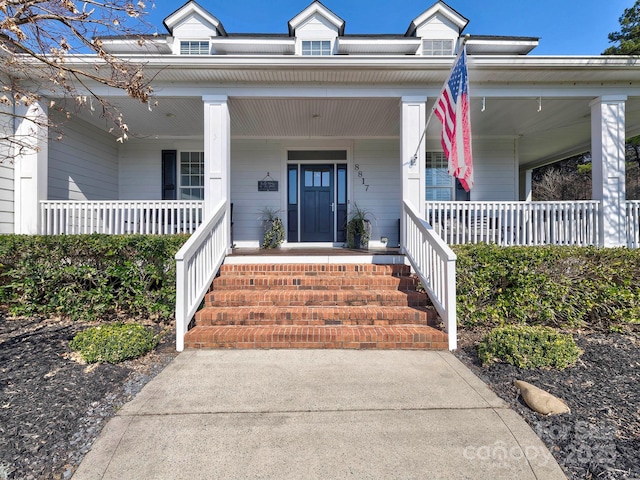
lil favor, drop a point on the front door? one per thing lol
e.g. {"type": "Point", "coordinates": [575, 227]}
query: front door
{"type": "Point", "coordinates": [317, 203]}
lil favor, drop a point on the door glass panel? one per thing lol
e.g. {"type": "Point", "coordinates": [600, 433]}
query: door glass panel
{"type": "Point", "coordinates": [325, 179]}
{"type": "Point", "coordinates": [342, 184]}
{"type": "Point", "coordinates": [293, 186]}
{"type": "Point", "coordinates": [308, 178]}
{"type": "Point", "coordinates": [317, 179]}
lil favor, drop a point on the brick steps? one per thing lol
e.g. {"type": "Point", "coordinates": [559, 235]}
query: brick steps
{"type": "Point", "coordinates": [284, 298]}
{"type": "Point", "coordinates": [351, 306]}
{"type": "Point", "coordinates": [314, 282]}
{"type": "Point", "coordinates": [339, 315]}
{"type": "Point", "coordinates": [314, 269]}
{"type": "Point", "coordinates": [406, 337]}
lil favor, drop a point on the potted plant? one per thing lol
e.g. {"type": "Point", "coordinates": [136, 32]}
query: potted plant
{"type": "Point", "coordinates": [358, 228]}
{"type": "Point", "coordinates": [273, 228]}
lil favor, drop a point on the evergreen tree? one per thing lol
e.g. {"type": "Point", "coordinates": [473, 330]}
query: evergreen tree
{"type": "Point", "coordinates": [627, 40]}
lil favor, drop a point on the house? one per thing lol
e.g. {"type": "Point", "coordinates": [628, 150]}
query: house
{"type": "Point", "coordinates": [314, 120]}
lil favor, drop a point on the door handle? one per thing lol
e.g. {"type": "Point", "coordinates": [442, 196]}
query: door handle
{"type": "Point", "coordinates": [333, 206]}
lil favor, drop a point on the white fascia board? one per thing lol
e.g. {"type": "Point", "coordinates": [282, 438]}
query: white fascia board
{"type": "Point", "coordinates": [133, 46]}
{"type": "Point", "coordinates": [391, 61]}
{"type": "Point", "coordinates": [555, 61]}
{"type": "Point", "coordinates": [401, 45]}
{"type": "Point", "coordinates": [228, 45]}
{"type": "Point", "coordinates": [508, 46]}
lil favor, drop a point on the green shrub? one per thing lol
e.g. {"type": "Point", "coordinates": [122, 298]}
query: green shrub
{"type": "Point", "coordinates": [558, 286]}
{"type": "Point", "coordinates": [528, 347]}
{"type": "Point", "coordinates": [89, 276]}
{"type": "Point", "coordinates": [113, 343]}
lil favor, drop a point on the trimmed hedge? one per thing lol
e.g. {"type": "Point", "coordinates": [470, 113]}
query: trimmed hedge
{"type": "Point", "coordinates": [89, 276]}
{"type": "Point", "coordinates": [529, 347]}
{"type": "Point", "coordinates": [553, 285]}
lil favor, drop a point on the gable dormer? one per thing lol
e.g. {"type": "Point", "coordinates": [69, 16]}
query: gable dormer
{"type": "Point", "coordinates": [316, 30]}
{"type": "Point", "coordinates": [192, 28]}
{"type": "Point", "coordinates": [440, 28]}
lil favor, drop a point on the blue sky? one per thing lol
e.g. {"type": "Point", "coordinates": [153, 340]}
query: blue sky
{"type": "Point", "coordinates": [565, 27]}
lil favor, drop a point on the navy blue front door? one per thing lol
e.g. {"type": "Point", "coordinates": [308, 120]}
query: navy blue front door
{"type": "Point", "coordinates": [316, 203]}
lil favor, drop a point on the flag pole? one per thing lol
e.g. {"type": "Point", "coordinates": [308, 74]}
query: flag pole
{"type": "Point", "coordinates": [414, 158]}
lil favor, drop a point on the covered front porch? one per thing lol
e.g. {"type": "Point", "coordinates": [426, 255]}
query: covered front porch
{"type": "Point", "coordinates": [313, 159]}
{"type": "Point", "coordinates": [312, 153]}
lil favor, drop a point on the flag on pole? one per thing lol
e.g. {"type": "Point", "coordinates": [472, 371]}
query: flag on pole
{"type": "Point", "coordinates": [452, 108]}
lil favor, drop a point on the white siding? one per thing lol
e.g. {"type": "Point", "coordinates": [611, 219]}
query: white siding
{"type": "Point", "coordinates": [376, 159]}
{"type": "Point", "coordinates": [194, 28]}
{"type": "Point", "coordinates": [6, 197]}
{"type": "Point", "coordinates": [250, 162]}
{"type": "Point", "coordinates": [438, 27]}
{"type": "Point", "coordinates": [83, 165]}
{"type": "Point", "coordinates": [379, 162]}
{"type": "Point", "coordinates": [141, 167]}
{"type": "Point", "coordinates": [6, 175]}
{"type": "Point", "coordinates": [317, 27]}
{"type": "Point", "coordinates": [494, 168]}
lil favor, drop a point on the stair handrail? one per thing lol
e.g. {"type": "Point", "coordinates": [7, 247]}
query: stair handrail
{"type": "Point", "coordinates": [435, 264]}
{"type": "Point", "coordinates": [197, 263]}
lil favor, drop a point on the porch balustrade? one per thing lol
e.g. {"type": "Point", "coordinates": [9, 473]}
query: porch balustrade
{"type": "Point", "coordinates": [516, 223]}
{"type": "Point", "coordinates": [435, 264]}
{"type": "Point", "coordinates": [120, 217]}
{"type": "Point", "coordinates": [197, 263]}
{"type": "Point", "coordinates": [633, 223]}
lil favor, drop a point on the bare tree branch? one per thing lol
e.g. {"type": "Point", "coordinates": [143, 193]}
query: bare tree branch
{"type": "Point", "coordinates": [43, 52]}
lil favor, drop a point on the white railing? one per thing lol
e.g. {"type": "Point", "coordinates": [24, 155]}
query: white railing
{"type": "Point", "coordinates": [197, 263]}
{"type": "Point", "coordinates": [68, 217]}
{"type": "Point", "coordinates": [516, 223]}
{"type": "Point", "coordinates": [633, 223]}
{"type": "Point", "coordinates": [435, 264]}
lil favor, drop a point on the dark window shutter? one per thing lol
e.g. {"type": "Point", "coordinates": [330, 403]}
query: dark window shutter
{"type": "Point", "coordinates": [169, 172]}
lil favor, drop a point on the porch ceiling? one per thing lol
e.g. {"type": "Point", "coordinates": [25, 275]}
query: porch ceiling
{"type": "Point", "coordinates": [561, 127]}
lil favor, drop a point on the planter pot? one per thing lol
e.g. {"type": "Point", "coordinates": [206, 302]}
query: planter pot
{"type": "Point", "coordinates": [360, 243]}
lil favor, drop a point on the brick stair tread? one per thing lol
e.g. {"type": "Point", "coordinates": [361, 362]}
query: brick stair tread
{"type": "Point", "coordinates": [230, 298]}
{"type": "Point", "coordinates": [345, 337]}
{"type": "Point", "coordinates": [297, 282]}
{"type": "Point", "coordinates": [314, 269]}
{"type": "Point", "coordinates": [317, 315]}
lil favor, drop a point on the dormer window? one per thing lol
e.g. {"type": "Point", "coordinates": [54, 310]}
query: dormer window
{"type": "Point", "coordinates": [437, 47]}
{"type": "Point", "coordinates": [316, 47]}
{"type": "Point", "coordinates": [194, 47]}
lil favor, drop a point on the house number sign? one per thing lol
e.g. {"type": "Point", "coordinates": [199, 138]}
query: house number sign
{"type": "Point", "coordinates": [360, 175]}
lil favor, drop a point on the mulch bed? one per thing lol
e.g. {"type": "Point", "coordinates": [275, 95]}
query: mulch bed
{"type": "Point", "coordinates": [600, 437]}
{"type": "Point", "coordinates": [52, 407]}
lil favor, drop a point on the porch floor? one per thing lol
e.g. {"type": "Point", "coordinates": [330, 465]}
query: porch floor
{"type": "Point", "coordinates": [312, 252]}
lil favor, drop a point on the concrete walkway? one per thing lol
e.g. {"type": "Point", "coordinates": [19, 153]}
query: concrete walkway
{"type": "Point", "coordinates": [302, 414]}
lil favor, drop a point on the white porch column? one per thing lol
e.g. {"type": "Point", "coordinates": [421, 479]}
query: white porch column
{"type": "Point", "coordinates": [30, 166]}
{"type": "Point", "coordinates": [607, 151]}
{"type": "Point", "coordinates": [528, 185]}
{"type": "Point", "coordinates": [412, 123]}
{"type": "Point", "coordinates": [217, 151]}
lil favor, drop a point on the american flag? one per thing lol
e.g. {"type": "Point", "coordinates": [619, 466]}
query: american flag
{"type": "Point", "coordinates": [452, 108]}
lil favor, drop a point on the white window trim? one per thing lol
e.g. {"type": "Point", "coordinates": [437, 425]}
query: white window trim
{"type": "Point", "coordinates": [450, 186]}
{"type": "Point", "coordinates": [180, 186]}
{"type": "Point", "coordinates": [450, 53]}
{"type": "Point", "coordinates": [300, 42]}
{"type": "Point", "coordinates": [192, 40]}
